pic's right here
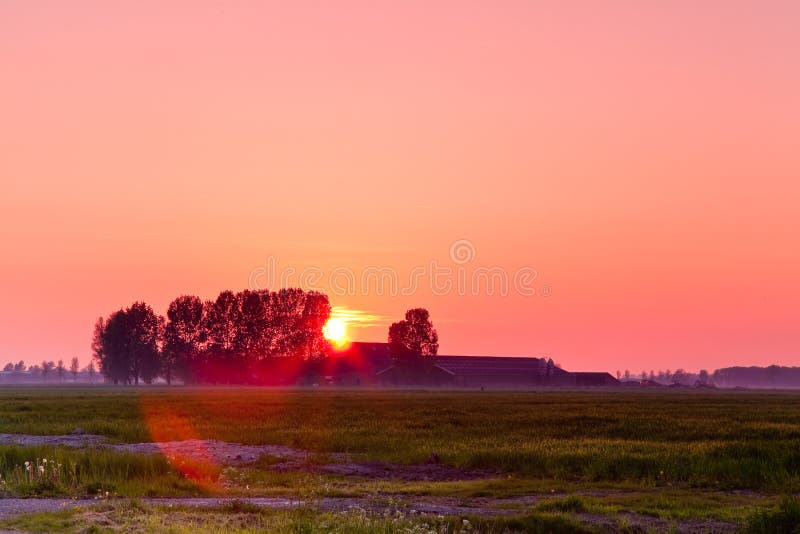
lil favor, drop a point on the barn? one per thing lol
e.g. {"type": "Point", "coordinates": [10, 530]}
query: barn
{"type": "Point", "coordinates": [372, 364]}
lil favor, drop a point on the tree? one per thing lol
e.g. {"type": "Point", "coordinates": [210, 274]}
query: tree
{"type": "Point", "coordinates": [286, 336]}
{"type": "Point", "coordinates": [221, 326]}
{"type": "Point", "coordinates": [90, 371]}
{"type": "Point", "coordinates": [413, 337]}
{"type": "Point", "coordinates": [73, 368]}
{"type": "Point", "coordinates": [145, 331]}
{"type": "Point", "coordinates": [126, 344]}
{"type": "Point", "coordinates": [97, 342]}
{"type": "Point", "coordinates": [680, 377]}
{"type": "Point", "coordinates": [703, 376]}
{"type": "Point", "coordinates": [20, 366]}
{"type": "Point", "coordinates": [183, 337]}
{"type": "Point", "coordinates": [46, 368]}
{"type": "Point", "coordinates": [110, 347]}
{"type": "Point", "coordinates": [60, 370]}
{"type": "Point", "coordinates": [316, 312]}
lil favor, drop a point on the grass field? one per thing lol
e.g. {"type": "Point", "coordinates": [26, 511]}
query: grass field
{"type": "Point", "coordinates": [666, 454]}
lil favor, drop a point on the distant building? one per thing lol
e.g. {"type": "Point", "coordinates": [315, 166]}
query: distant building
{"type": "Point", "coordinates": [593, 379]}
{"type": "Point", "coordinates": [372, 364]}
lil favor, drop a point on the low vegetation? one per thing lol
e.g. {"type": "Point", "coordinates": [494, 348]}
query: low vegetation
{"type": "Point", "coordinates": [659, 457]}
{"type": "Point", "coordinates": [241, 518]}
{"type": "Point", "coordinates": [710, 439]}
{"type": "Point", "coordinates": [96, 473]}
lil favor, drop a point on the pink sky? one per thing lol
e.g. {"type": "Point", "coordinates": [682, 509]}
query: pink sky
{"type": "Point", "coordinates": [643, 159]}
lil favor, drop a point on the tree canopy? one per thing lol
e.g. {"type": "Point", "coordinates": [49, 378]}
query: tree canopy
{"type": "Point", "coordinates": [235, 338]}
{"type": "Point", "coordinates": [413, 337]}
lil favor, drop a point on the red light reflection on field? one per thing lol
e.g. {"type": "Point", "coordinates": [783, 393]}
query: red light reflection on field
{"type": "Point", "coordinates": [179, 441]}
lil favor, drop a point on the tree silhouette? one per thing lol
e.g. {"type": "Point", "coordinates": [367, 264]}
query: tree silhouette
{"type": "Point", "coordinates": [73, 368]}
{"type": "Point", "coordinates": [8, 367]}
{"type": "Point", "coordinates": [316, 312]}
{"type": "Point", "coordinates": [90, 371]}
{"type": "Point", "coordinates": [126, 344]}
{"type": "Point", "coordinates": [183, 337]}
{"type": "Point", "coordinates": [46, 368]}
{"type": "Point", "coordinates": [287, 337]}
{"type": "Point", "coordinates": [20, 366]}
{"type": "Point", "coordinates": [221, 323]}
{"type": "Point", "coordinates": [60, 369]}
{"type": "Point", "coordinates": [413, 337]}
{"type": "Point", "coordinates": [236, 338]}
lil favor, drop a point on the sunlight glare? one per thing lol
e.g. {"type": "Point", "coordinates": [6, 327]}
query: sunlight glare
{"type": "Point", "coordinates": [335, 331]}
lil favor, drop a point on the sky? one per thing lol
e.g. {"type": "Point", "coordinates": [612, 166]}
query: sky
{"type": "Point", "coordinates": [630, 170]}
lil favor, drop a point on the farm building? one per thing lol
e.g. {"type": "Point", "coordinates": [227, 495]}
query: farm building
{"type": "Point", "coordinates": [372, 364]}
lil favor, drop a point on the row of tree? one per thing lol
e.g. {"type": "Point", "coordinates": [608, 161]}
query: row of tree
{"type": "Point", "coordinates": [680, 376]}
{"type": "Point", "coordinates": [51, 368]}
{"type": "Point", "coordinates": [237, 338]}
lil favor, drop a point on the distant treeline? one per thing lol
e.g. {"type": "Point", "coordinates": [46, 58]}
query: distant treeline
{"type": "Point", "coordinates": [239, 338]}
{"type": "Point", "coordinates": [773, 376]}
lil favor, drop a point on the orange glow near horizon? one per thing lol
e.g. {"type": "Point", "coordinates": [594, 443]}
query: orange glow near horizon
{"type": "Point", "coordinates": [640, 157]}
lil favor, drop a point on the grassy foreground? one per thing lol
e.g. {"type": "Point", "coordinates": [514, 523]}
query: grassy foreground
{"type": "Point", "coordinates": [721, 440]}
{"type": "Point", "coordinates": [658, 457]}
{"type": "Point", "coordinates": [244, 519]}
{"type": "Point", "coordinates": [557, 517]}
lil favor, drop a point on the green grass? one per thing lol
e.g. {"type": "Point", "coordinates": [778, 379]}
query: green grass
{"type": "Point", "coordinates": [783, 518]}
{"type": "Point", "coordinates": [243, 518]}
{"type": "Point", "coordinates": [89, 473]}
{"type": "Point", "coordinates": [670, 455]}
{"type": "Point", "coordinates": [721, 440]}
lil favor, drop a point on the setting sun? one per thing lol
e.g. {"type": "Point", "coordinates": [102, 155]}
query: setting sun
{"type": "Point", "coordinates": [335, 331]}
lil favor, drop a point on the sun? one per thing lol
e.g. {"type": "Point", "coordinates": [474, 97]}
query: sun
{"type": "Point", "coordinates": [335, 331]}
